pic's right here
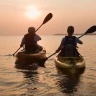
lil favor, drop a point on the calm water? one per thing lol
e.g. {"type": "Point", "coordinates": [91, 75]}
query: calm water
{"type": "Point", "coordinates": [46, 81]}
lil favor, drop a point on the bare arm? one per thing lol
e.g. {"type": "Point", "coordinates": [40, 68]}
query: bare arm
{"type": "Point", "coordinates": [59, 48]}
{"type": "Point", "coordinates": [79, 41]}
{"type": "Point", "coordinates": [37, 37]}
{"type": "Point", "coordinates": [22, 42]}
{"type": "Point", "coordinates": [61, 45]}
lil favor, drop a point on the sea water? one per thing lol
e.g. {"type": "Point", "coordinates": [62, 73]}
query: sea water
{"type": "Point", "coordinates": [46, 81]}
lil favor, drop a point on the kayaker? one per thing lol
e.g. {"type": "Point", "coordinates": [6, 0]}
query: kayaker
{"type": "Point", "coordinates": [30, 40]}
{"type": "Point", "coordinates": [68, 44]}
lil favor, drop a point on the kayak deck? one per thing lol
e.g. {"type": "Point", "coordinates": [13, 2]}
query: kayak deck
{"type": "Point", "coordinates": [23, 58]}
{"type": "Point", "coordinates": [70, 62]}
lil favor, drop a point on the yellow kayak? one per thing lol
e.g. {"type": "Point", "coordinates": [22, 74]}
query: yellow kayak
{"type": "Point", "coordinates": [72, 64]}
{"type": "Point", "coordinates": [23, 58]}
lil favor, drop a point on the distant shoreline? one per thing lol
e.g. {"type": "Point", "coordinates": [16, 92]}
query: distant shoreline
{"type": "Point", "coordinates": [42, 34]}
{"type": "Point", "coordinates": [75, 34]}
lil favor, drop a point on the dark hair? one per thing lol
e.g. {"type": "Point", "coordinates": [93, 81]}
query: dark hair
{"type": "Point", "coordinates": [31, 29]}
{"type": "Point", "coordinates": [70, 29]}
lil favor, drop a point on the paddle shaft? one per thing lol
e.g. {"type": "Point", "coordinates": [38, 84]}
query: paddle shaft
{"type": "Point", "coordinates": [51, 55]}
{"type": "Point", "coordinates": [81, 35]}
{"type": "Point", "coordinates": [39, 27]}
{"type": "Point", "coordinates": [16, 51]}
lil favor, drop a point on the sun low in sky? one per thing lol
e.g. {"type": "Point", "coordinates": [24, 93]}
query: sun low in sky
{"type": "Point", "coordinates": [33, 12]}
{"type": "Point", "coordinates": [17, 15]}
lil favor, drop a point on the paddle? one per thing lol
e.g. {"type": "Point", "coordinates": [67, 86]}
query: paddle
{"type": "Point", "coordinates": [90, 30]}
{"type": "Point", "coordinates": [46, 19]}
{"type": "Point", "coordinates": [16, 51]}
{"type": "Point", "coordinates": [42, 61]}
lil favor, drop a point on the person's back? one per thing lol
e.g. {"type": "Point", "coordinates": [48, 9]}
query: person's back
{"type": "Point", "coordinates": [68, 45]}
{"type": "Point", "coordinates": [30, 40]}
{"type": "Point", "coordinates": [69, 48]}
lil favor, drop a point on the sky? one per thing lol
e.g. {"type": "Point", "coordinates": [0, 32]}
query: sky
{"type": "Point", "coordinates": [17, 15]}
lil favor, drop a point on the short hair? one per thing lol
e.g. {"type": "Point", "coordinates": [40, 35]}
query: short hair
{"type": "Point", "coordinates": [31, 29]}
{"type": "Point", "coordinates": [70, 29]}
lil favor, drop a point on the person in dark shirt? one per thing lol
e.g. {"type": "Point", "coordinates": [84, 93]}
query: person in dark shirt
{"type": "Point", "coordinates": [68, 46]}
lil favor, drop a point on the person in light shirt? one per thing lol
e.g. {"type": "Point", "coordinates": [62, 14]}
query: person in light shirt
{"type": "Point", "coordinates": [30, 40]}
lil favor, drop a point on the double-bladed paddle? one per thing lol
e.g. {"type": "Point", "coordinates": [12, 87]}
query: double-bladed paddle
{"type": "Point", "coordinates": [46, 19]}
{"type": "Point", "coordinates": [16, 50]}
{"type": "Point", "coordinates": [90, 30]}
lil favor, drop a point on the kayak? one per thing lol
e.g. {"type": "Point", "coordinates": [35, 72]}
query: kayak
{"type": "Point", "coordinates": [72, 64]}
{"type": "Point", "coordinates": [24, 59]}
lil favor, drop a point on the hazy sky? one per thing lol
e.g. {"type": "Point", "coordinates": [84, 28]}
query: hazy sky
{"type": "Point", "coordinates": [16, 15]}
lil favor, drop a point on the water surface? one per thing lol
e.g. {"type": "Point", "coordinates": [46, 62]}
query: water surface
{"type": "Point", "coordinates": [46, 81]}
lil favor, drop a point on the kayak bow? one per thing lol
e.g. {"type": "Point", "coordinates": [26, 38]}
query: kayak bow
{"type": "Point", "coordinates": [72, 64]}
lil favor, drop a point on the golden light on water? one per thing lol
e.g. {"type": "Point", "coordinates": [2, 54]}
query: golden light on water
{"type": "Point", "coordinates": [32, 12]}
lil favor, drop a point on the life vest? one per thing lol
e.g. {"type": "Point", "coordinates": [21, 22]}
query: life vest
{"type": "Point", "coordinates": [70, 40]}
{"type": "Point", "coordinates": [29, 41]}
{"type": "Point", "coordinates": [69, 48]}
